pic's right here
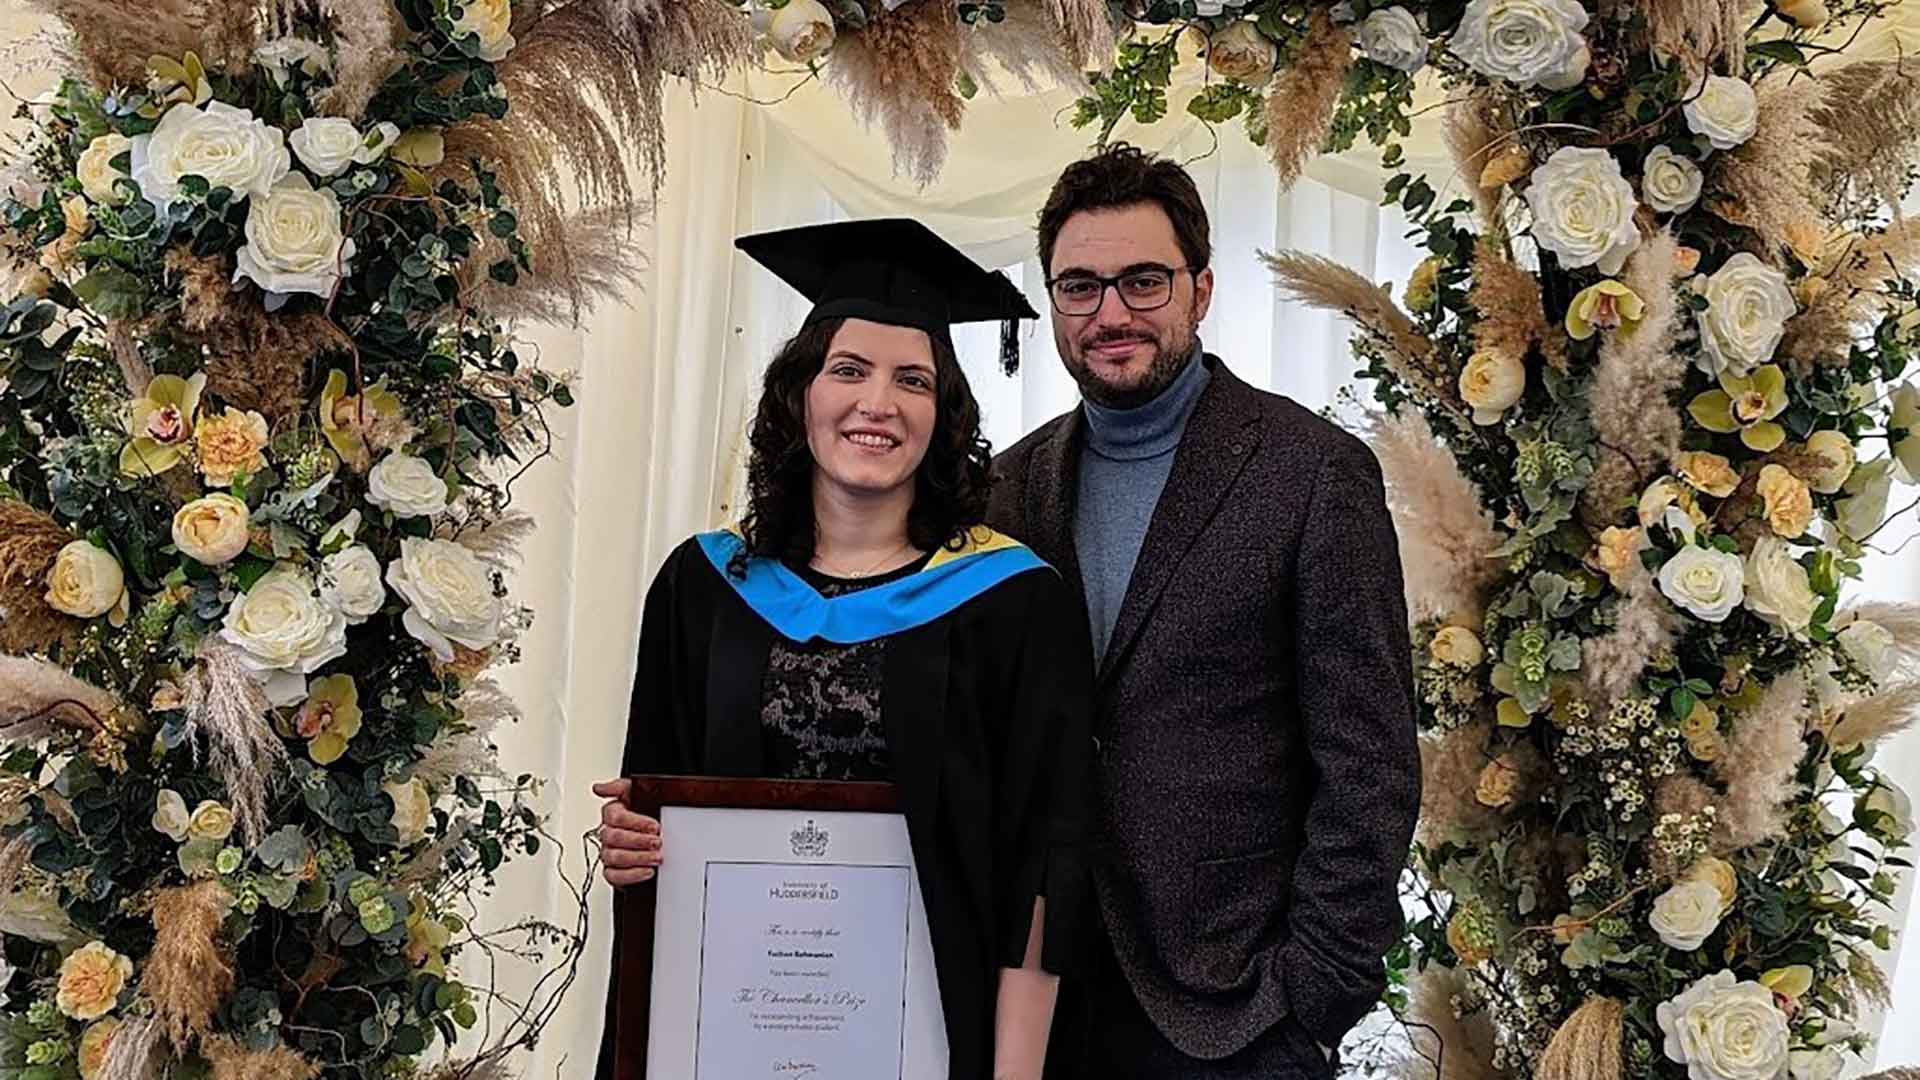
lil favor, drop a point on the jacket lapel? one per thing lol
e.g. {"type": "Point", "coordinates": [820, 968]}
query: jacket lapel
{"type": "Point", "coordinates": [1219, 440]}
{"type": "Point", "coordinates": [1052, 487]}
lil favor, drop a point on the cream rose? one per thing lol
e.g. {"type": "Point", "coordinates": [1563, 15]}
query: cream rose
{"type": "Point", "coordinates": [1724, 110]}
{"type": "Point", "coordinates": [86, 581]}
{"type": "Point", "coordinates": [1669, 182]}
{"type": "Point", "coordinates": [1838, 452]}
{"type": "Point", "coordinates": [210, 821]}
{"type": "Point", "coordinates": [1906, 420]}
{"type": "Point", "coordinates": [1583, 209]}
{"type": "Point", "coordinates": [226, 146]}
{"type": "Point", "coordinates": [1527, 42]}
{"type": "Point", "coordinates": [1686, 915]}
{"type": "Point", "coordinates": [91, 979]}
{"type": "Point", "coordinates": [1863, 508]}
{"type": "Point", "coordinates": [1707, 472]}
{"type": "Point", "coordinates": [449, 595]}
{"type": "Point", "coordinates": [96, 171]}
{"type": "Point", "coordinates": [294, 240]}
{"type": "Point", "coordinates": [280, 625]}
{"type": "Point", "coordinates": [1777, 587]}
{"type": "Point", "coordinates": [1492, 383]}
{"type": "Point", "coordinates": [1872, 647]}
{"type": "Point", "coordinates": [326, 144]}
{"type": "Point", "coordinates": [170, 815]}
{"type": "Point", "coordinates": [489, 20]}
{"type": "Point", "coordinates": [1721, 874]}
{"type": "Point", "coordinates": [1724, 1029]}
{"type": "Point", "coordinates": [350, 583]}
{"type": "Point", "coordinates": [1458, 646]}
{"type": "Point", "coordinates": [1242, 53]}
{"type": "Point", "coordinates": [1705, 581]}
{"type": "Point", "coordinates": [1805, 14]}
{"type": "Point", "coordinates": [412, 809]}
{"type": "Point", "coordinates": [95, 1043]}
{"type": "Point", "coordinates": [1392, 36]}
{"type": "Point", "coordinates": [1789, 502]}
{"type": "Point", "coordinates": [1748, 305]}
{"type": "Point", "coordinates": [211, 530]}
{"type": "Point", "coordinates": [406, 485]}
{"type": "Point", "coordinates": [800, 31]}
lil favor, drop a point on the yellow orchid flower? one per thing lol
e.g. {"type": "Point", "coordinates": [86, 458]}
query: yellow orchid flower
{"type": "Point", "coordinates": [330, 718]}
{"type": "Point", "coordinates": [345, 419]}
{"type": "Point", "coordinates": [1604, 306]}
{"type": "Point", "coordinates": [162, 424]}
{"type": "Point", "coordinates": [1746, 405]}
{"type": "Point", "coordinates": [1789, 982]}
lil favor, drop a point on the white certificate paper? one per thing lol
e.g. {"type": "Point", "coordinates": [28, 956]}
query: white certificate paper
{"type": "Point", "coordinates": [792, 946]}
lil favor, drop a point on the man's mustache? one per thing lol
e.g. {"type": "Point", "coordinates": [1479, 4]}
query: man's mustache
{"type": "Point", "coordinates": [1114, 339]}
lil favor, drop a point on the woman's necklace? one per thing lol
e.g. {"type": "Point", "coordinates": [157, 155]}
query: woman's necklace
{"type": "Point", "coordinates": [834, 571]}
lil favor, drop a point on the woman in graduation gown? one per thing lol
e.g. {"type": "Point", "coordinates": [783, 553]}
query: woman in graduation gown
{"type": "Point", "coordinates": [861, 624]}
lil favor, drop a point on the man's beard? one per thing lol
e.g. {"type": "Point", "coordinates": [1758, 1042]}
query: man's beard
{"type": "Point", "coordinates": [1169, 359]}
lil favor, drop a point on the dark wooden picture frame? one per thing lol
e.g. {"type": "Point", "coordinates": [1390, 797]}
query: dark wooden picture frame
{"type": "Point", "coordinates": [648, 795]}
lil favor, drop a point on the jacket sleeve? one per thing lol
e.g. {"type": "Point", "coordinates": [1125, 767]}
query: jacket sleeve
{"type": "Point", "coordinates": [1357, 702]}
{"type": "Point", "coordinates": [1045, 804]}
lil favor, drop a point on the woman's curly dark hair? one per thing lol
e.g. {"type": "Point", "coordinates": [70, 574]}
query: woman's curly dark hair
{"type": "Point", "coordinates": [950, 487]}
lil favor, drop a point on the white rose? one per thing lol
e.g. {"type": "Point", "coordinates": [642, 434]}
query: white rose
{"type": "Point", "coordinates": [1242, 53]}
{"type": "Point", "coordinates": [491, 21]}
{"type": "Point", "coordinates": [85, 581]}
{"type": "Point", "coordinates": [449, 593]}
{"type": "Point", "coordinates": [1748, 305]}
{"type": "Point", "coordinates": [96, 170]}
{"type": "Point", "coordinates": [170, 815]}
{"type": "Point", "coordinates": [801, 31]}
{"type": "Point", "coordinates": [1872, 647]}
{"type": "Point", "coordinates": [1777, 587]}
{"type": "Point", "coordinates": [1724, 1029]}
{"type": "Point", "coordinates": [1669, 182]}
{"type": "Point", "coordinates": [280, 625]}
{"type": "Point", "coordinates": [1906, 418]}
{"type": "Point", "coordinates": [1686, 915]}
{"type": "Point", "coordinates": [407, 486]}
{"type": "Point", "coordinates": [1723, 109]}
{"type": "Point", "coordinates": [1838, 449]}
{"type": "Point", "coordinates": [1492, 383]}
{"type": "Point", "coordinates": [1527, 42]}
{"type": "Point", "coordinates": [1706, 581]}
{"type": "Point", "coordinates": [350, 583]}
{"type": "Point", "coordinates": [1863, 508]}
{"type": "Point", "coordinates": [1392, 36]}
{"type": "Point", "coordinates": [412, 808]}
{"type": "Point", "coordinates": [1826, 1063]}
{"type": "Point", "coordinates": [1888, 798]}
{"type": "Point", "coordinates": [281, 55]}
{"type": "Point", "coordinates": [294, 242]}
{"type": "Point", "coordinates": [228, 147]}
{"type": "Point", "coordinates": [1583, 209]}
{"type": "Point", "coordinates": [212, 530]}
{"type": "Point", "coordinates": [376, 143]}
{"type": "Point", "coordinates": [326, 144]}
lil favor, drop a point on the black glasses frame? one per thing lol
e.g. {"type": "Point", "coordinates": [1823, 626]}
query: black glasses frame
{"type": "Point", "coordinates": [1114, 283]}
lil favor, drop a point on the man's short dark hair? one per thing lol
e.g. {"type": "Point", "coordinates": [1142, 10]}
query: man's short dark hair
{"type": "Point", "coordinates": [1121, 176]}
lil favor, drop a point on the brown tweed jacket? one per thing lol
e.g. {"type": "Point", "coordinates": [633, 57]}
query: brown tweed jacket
{"type": "Point", "coordinates": [1259, 776]}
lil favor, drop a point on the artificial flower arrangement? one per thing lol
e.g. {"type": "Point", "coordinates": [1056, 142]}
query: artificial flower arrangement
{"type": "Point", "coordinates": [259, 421]}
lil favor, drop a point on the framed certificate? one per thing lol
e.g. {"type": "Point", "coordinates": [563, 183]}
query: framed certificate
{"type": "Point", "coordinates": [785, 938]}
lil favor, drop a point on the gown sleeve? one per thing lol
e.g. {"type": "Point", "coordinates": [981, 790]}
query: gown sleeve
{"type": "Point", "coordinates": [1045, 805]}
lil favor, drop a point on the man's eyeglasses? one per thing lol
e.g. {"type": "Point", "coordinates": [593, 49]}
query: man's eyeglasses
{"type": "Point", "coordinates": [1146, 289]}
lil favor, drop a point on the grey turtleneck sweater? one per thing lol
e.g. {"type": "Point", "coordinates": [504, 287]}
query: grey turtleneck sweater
{"type": "Point", "coordinates": [1128, 456]}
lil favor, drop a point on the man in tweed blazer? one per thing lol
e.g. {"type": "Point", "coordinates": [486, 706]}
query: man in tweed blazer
{"type": "Point", "coordinates": [1259, 776]}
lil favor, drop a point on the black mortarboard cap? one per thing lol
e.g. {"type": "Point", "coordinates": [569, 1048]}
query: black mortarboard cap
{"type": "Point", "coordinates": [894, 271]}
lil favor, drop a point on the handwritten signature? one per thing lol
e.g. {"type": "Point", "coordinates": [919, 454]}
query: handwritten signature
{"type": "Point", "coordinates": [794, 1068]}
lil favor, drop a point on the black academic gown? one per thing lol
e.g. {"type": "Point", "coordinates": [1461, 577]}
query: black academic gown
{"type": "Point", "coordinates": [987, 713]}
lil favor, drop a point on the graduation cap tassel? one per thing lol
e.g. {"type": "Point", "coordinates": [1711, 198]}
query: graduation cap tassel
{"type": "Point", "coordinates": [1010, 346]}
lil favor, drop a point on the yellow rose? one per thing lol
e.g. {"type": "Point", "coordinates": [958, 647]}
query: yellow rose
{"type": "Point", "coordinates": [87, 582]}
{"type": "Point", "coordinates": [95, 1042]}
{"type": "Point", "coordinates": [1618, 552]}
{"type": "Point", "coordinates": [1604, 305]}
{"type": "Point", "coordinates": [1422, 284]}
{"type": "Point", "coordinates": [1701, 722]}
{"type": "Point", "coordinates": [211, 530]}
{"type": "Point", "coordinates": [1707, 747]}
{"type": "Point", "coordinates": [489, 20]}
{"type": "Point", "coordinates": [1789, 504]}
{"type": "Point", "coordinates": [230, 444]}
{"type": "Point", "coordinates": [91, 980]}
{"type": "Point", "coordinates": [1458, 646]}
{"type": "Point", "coordinates": [1837, 451]}
{"type": "Point", "coordinates": [1721, 873]}
{"type": "Point", "coordinates": [96, 170]}
{"type": "Point", "coordinates": [1707, 472]}
{"type": "Point", "coordinates": [1497, 783]}
{"type": "Point", "coordinates": [210, 821]}
{"type": "Point", "coordinates": [1492, 383]}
